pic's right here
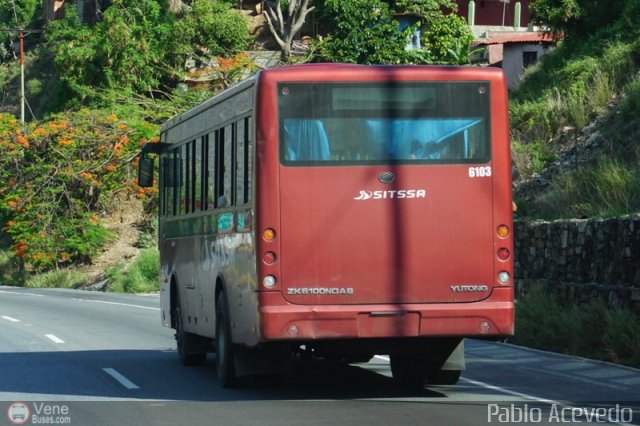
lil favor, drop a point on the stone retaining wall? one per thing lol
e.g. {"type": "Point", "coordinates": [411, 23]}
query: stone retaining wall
{"type": "Point", "coordinates": [590, 256]}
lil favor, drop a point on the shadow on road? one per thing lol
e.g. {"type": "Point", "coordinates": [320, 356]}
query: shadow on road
{"type": "Point", "coordinates": [159, 376]}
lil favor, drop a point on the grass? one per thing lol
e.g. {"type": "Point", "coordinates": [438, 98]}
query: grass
{"type": "Point", "coordinates": [609, 188]}
{"type": "Point", "coordinates": [62, 278]}
{"type": "Point", "coordinates": [568, 89]}
{"type": "Point", "coordinates": [140, 276]}
{"type": "Point", "coordinates": [592, 329]}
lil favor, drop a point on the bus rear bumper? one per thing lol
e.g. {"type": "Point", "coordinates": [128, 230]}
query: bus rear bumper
{"type": "Point", "coordinates": [492, 317]}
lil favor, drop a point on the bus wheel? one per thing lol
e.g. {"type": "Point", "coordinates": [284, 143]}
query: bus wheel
{"type": "Point", "coordinates": [186, 342]}
{"type": "Point", "coordinates": [224, 345]}
{"type": "Point", "coordinates": [443, 377]}
{"type": "Point", "coordinates": [404, 372]}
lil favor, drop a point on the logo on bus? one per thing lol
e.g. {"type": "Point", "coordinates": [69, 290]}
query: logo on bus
{"type": "Point", "coordinates": [385, 195]}
{"type": "Point", "coordinates": [324, 291]}
{"type": "Point", "coordinates": [471, 288]}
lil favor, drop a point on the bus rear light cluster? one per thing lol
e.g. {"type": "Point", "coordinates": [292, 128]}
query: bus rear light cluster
{"type": "Point", "coordinates": [504, 277]}
{"type": "Point", "coordinates": [269, 281]}
{"type": "Point", "coordinates": [503, 253]}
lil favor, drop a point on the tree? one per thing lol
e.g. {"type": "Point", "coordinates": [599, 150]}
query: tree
{"type": "Point", "coordinates": [211, 28]}
{"type": "Point", "coordinates": [284, 28]}
{"type": "Point", "coordinates": [445, 35]}
{"type": "Point", "coordinates": [363, 32]}
{"type": "Point", "coordinates": [578, 19]}
{"type": "Point", "coordinates": [126, 50]}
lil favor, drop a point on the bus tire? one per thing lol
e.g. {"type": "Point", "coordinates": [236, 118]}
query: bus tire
{"type": "Point", "coordinates": [185, 341]}
{"type": "Point", "coordinates": [443, 377]}
{"type": "Point", "coordinates": [224, 345]}
{"type": "Point", "coordinates": [405, 374]}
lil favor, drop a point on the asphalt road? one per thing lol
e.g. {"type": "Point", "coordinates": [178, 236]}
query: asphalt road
{"type": "Point", "coordinates": [88, 358]}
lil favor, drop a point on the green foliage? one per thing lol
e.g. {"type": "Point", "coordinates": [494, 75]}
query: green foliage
{"type": "Point", "coordinates": [559, 15]}
{"type": "Point", "coordinates": [126, 50]}
{"type": "Point", "coordinates": [610, 188]}
{"type": "Point", "coordinates": [27, 12]}
{"type": "Point", "coordinates": [532, 157]}
{"type": "Point", "coordinates": [445, 35]}
{"type": "Point", "coordinates": [11, 272]}
{"type": "Point", "coordinates": [591, 329]}
{"type": "Point", "coordinates": [564, 90]}
{"type": "Point", "coordinates": [447, 39]}
{"type": "Point", "coordinates": [426, 8]}
{"type": "Point", "coordinates": [211, 28]}
{"type": "Point", "coordinates": [363, 32]}
{"type": "Point", "coordinates": [57, 176]}
{"type": "Point", "coordinates": [630, 106]}
{"type": "Point", "coordinates": [61, 278]}
{"type": "Point", "coordinates": [141, 276]}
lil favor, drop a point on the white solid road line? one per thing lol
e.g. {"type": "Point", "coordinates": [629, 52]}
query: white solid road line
{"type": "Point", "coordinates": [151, 308]}
{"type": "Point", "coordinates": [11, 319]}
{"type": "Point", "coordinates": [54, 338]}
{"type": "Point", "coordinates": [21, 292]}
{"type": "Point", "coordinates": [121, 379]}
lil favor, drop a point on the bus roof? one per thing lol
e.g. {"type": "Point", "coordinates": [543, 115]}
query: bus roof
{"type": "Point", "coordinates": [339, 71]}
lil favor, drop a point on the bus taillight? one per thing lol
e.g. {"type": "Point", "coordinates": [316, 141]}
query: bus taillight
{"type": "Point", "coordinates": [503, 254]}
{"type": "Point", "coordinates": [269, 258]}
{"type": "Point", "coordinates": [503, 231]}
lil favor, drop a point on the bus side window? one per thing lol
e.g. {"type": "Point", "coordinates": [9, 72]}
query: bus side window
{"type": "Point", "coordinates": [198, 172]}
{"type": "Point", "coordinates": [184, 181]}
{"type": "Point", "coordinates": [241, 163]}
{"type": "Point", "coordinates": [228, 170]}
{"type": "Point", "coordinates": [170, 184]}
{"type": "Point", "coordinates": [211, 170]}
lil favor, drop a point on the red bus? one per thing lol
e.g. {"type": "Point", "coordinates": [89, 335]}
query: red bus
{"type": "Point", "coordinates": [339, 211]}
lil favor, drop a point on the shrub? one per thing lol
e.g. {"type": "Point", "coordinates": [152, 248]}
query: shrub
{"type": "Point", "coordinates": [363, 32]}
{"type": "Point", "coordinates": [56, 177]}
{"type": "Point", "coordinates": [11, 272]}
{"type": "Point", "coordinates": [63, 278]}
{"type": "Point", "coordinates": [590, 329]}
{"type": "Point", "coordinates": [140, 276]}
{"type": "Point", "coordinates": [609, 188]}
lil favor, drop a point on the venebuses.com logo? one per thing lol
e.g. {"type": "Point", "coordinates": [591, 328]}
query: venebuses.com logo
{"type": "Point", "coordinates": [18, 413]}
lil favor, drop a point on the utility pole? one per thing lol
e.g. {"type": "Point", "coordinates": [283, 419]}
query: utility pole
{"type": "Point", "coordinates": [22, 33]}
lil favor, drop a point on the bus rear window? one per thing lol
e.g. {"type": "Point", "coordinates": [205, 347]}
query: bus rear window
{"type": "Point", "coordinates": [419, 123]}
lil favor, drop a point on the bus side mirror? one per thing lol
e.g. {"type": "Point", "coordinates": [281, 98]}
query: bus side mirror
{"type": "Point", "coordinates": [145, 172]}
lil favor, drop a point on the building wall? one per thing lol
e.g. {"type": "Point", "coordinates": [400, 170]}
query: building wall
{"type": "Point", "coordinates": [489, 12]}
{"type": "Point", "coordinates": [512, 62]}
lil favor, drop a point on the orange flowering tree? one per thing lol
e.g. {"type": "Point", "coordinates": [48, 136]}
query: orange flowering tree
{"type": "Point", "coordinates": [226, 72]}
{"type": "Point", "coordinates": [59, 176]}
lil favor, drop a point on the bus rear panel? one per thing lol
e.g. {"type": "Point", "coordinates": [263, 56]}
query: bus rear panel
{"type": "Point", "coordinates": [389, 191]}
